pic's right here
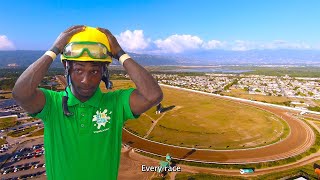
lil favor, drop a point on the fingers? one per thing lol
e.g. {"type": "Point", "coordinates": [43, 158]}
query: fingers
{"type": "Point", "coordinates": [75, 31]}
{"type": "Point", "coordinates": [105, 31]}
{"type": "Point", "coordinates": [74, 27]}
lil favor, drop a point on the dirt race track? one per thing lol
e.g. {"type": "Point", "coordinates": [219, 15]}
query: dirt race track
{"type": "Point", "coordinates": [301, 137]}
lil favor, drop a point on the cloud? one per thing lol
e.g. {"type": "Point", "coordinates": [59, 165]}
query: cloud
{"type": "Point", "coordinates": [242, 45]}
{"type": "Point", "coordinates": [133, 41]}
{"type": "Point", "coordinates": [214, 44]}
{"type": "Point", "coordinates": [5, 43]}
{"type": "Point", "coordinates": [179, 43]}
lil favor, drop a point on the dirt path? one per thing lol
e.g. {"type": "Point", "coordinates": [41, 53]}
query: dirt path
{"type": "Point", "coordinates": [154, 124]}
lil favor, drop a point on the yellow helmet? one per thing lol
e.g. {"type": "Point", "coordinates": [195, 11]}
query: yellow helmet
{"type": "Point", "coordinates": [88, 45]}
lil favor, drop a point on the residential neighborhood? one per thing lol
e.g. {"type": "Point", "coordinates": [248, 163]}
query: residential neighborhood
{"type": "Point", "coordinates": [302, 91]}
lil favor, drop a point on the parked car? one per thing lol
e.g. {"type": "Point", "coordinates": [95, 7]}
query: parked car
{"type": "Point", "coordinates": [246, 170]}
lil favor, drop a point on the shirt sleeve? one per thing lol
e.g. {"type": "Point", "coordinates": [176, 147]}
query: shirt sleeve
{"type": "Point", "coordinates": [45, 112]}
{"type": "Point", "coordinates": [125, 98]}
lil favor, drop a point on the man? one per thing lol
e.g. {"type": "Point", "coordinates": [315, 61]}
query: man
{"type": "Point", "coordinates": [83, 126]}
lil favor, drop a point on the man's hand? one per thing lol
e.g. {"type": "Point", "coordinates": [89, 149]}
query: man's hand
{"type": "Point", "coordinates": [114, 45]}
{"type": "Point", "coordinates": [148, 92]}
{"type": "Point", "coordinates": [65, 36]}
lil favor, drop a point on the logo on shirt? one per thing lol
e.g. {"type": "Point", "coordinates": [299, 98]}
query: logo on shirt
{"type": "Point", "coordinates": [101, 119]}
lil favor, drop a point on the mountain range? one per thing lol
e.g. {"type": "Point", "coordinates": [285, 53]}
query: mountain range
{"type": "Point", "coordinates": [24, 58]}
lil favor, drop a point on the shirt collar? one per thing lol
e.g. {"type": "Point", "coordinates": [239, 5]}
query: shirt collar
{"type": "Point", "coordinates": [93, 101]}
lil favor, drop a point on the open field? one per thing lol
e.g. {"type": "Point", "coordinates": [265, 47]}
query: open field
{"type": "Point", "coordinates": [7, 95]}
{"type": "Point", "coordinates": [211, 123]}
{"type": "Point", "coordinates": [8, 122]}
{"type": "Point", "coordinates": [37, 133]}
{"type": "Point", "coordinates": [240, 93]}
{"type": "Point", "coordinates": [19, 133]}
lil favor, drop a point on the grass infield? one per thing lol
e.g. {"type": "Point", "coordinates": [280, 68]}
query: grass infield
{"type": "Point", "coordinates": [202, 121]}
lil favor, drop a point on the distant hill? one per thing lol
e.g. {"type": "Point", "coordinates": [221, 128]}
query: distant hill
{"type": "Point", "coordinates": [257, 57]}
{"type": "Point", "coordinates": [23, 58]}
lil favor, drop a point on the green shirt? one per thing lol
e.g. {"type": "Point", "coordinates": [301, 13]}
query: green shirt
{"type": "Point", "coordinates": [87, 144]}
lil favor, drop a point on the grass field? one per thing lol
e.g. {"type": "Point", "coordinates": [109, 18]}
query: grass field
{"type": "Point", "coordinates": [240, 93]}
{"type": "Point", "coordinates": [2, 141]}
{"type": "Point", "coordinates": [37, 133]}
{"type": "Point", "coordinates": [7, 95]}
{"type": "Point", "coordinates": [306, 170]}
{"type": "Point", "coordinates": [20, 133]}
{"type": "Point", "coordinates": [206, 122]}
{"type": "Point", "coordinates": [317, 102]}
{"type": "Point", "coordinates": [8, 122]}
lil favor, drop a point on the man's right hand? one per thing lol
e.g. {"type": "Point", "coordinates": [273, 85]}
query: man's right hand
{"type": "Point", "coordinates": [65, 36]}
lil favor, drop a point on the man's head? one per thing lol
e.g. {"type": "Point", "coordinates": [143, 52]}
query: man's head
{"type": "Point", "coordinates": [85, 59]}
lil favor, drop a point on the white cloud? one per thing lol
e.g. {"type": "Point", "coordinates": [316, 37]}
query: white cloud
{"type": "Point", "coordinates": [133, 41]}
{"type": "Point", "coordinates": [5, 43]}
{"type": "Point", "coordinates": [214, 44]}
{"type": "Point", "coordinates": [179, 43]}
{"type": "Point", "coordinates": [241, 45]}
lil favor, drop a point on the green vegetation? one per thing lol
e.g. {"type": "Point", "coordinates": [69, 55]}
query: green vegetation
{"type": "Point", "coordinates": [7, 84]}
{"type": "Point", "coordinates": [299, 94]}
{"type": "Point", "coordinates": [19, 133]}
{"type": "Point", "coordinates": [314, 108]}
{"type": "Point", "coordinates": [306, 170]}
{"type": "Point", "coordinates": [257, 90]}
{"type": "Point", "coordinates": [281, 71]}
{"type": "Point", "coordinates": [8, 122]}
{"type": "Point", "coordinates": [231, 84]}
{"type": "Point", "coordinates": [2, 141]}
{"type": "Point", "coordinates": [202, 176]}
{"type": "Point", "coordinates": [37, 133]}
{"type": "Point", "coordinates": [285, 103]}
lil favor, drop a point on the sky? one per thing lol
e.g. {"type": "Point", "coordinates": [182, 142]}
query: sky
{"type": "Point", "coordinates": [167, 26]}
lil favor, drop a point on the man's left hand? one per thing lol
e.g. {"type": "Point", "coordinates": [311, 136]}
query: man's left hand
{"type": "Point", "coordinates": [114, 45]}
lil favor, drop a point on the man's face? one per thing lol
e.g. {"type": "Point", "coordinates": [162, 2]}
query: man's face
{"type": "Point", "coordinates": [85, 78]}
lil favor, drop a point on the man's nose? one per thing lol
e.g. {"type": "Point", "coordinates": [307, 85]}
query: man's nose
{"type": "Point", "coordinates": [85, 79]}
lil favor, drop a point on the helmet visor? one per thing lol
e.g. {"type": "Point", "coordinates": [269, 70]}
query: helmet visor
{"type": "Point", "coordinates": [93, 50]}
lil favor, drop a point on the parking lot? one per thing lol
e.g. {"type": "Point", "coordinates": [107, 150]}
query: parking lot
{"type": "Point", "coordinates": [24, 161]}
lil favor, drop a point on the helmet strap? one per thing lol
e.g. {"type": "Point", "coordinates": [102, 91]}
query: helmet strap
{"type": "Point", "coordinates": [65, 98]}
{"type": "Point", "coordinates": [106, 77]}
